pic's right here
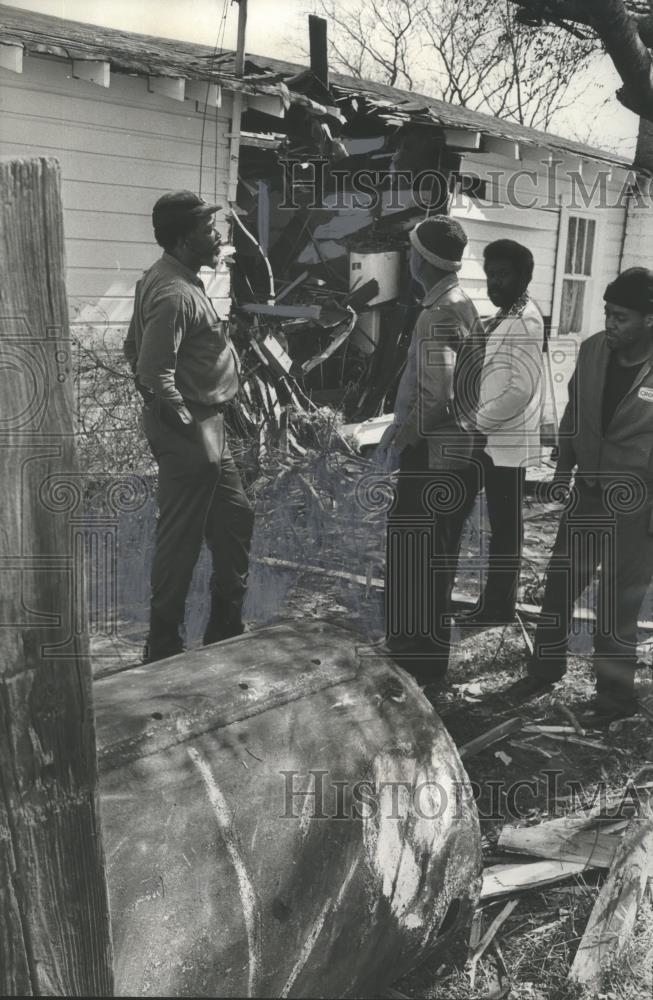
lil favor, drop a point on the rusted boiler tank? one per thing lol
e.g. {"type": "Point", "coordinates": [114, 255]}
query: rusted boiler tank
{"type": "Point", "coordinates": [284, 816]}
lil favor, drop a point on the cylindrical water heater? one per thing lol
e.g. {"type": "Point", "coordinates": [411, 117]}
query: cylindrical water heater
{"type": "Point", "coordinates": [383, 265]}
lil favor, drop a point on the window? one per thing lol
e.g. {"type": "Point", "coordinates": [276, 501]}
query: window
{"type": "Point", "coordinates": [468, 184]}
{"type": "Point", "coordinates": [579, 255]}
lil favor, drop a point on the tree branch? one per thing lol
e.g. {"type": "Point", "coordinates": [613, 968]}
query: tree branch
{"type": "Point", "coordinates": [620, 32]}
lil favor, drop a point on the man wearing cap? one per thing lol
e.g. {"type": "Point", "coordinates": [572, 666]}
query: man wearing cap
{"type": "Point", "coordinates": [509, 414]}
{"type": "Point", "coordinates": [606, 436]}
{"type": "Point", "coordinates": [438, 477]}
{"type": "Point", "coordinates": [187, 370]}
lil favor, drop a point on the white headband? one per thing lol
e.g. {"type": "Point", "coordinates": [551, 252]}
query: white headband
{"type": "Point", "coordinates": [441, 262]}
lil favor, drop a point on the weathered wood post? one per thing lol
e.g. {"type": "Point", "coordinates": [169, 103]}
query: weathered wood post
{"type": "Point", "coordinates": [54, 919]}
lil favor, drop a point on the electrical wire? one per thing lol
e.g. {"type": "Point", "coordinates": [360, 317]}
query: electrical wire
{"type": "Point", "coordinates": [219, 39]}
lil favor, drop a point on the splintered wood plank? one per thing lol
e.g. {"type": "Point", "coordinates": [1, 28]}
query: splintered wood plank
{"type": "Point", "coordinates": [613, 916]}
{"type": "Point", "coordinates": [566, 839]}
{"type": "Point", "coordinates": [54, 920]}
{"type": "Point", "coordinates": [501, 880]}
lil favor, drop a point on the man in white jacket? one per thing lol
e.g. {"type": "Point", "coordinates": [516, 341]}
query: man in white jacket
{"type": "Point", "coordinates": [509, 415]}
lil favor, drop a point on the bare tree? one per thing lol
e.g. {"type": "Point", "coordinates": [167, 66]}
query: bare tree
{"type": "Point", "coordinates": [466, 52]}
{"type": "Point", "coordinates": [624, 28]}
{"type": "Point", "coordinates": [374, 39]}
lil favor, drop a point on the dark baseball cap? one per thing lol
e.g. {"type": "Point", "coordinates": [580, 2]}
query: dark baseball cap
{"type": "Point", "coordinates": [177, 206]}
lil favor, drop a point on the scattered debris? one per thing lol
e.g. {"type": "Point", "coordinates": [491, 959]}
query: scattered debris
{"type": "Point", "coordinates": [492, 736]}
{"type": "Point", "coordinates": [564, 710]}
{"type": "Point", "coordinates": [531, 748]}
{"type": "Point", "coordinates": [613, 917]}
{"type": "Point", "coordinates": [488, 937]}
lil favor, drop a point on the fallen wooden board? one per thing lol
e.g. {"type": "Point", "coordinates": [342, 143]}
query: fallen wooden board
{"type": "Point", "coordinates": [566, 839]}
{"type": "Point", "coordinates": [500, 880]}
{"type": "Point", "coordinates": [613, 916]}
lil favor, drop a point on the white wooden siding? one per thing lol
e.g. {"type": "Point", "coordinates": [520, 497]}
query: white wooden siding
{"type": "Point", "coordinates": [638, 245]}
{"type": "Point", "coordinates": [119, 148]}
{"type": "Point", "coordinates": [538, 227]}
{"type": "Point", "coordinates": [536, 230]}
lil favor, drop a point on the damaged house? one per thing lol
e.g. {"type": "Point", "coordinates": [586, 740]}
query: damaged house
{"type": "Point", "coordinates": [322, 177]}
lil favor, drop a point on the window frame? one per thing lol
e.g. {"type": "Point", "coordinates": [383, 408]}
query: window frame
{"type": "Point", "coordinates": [560, 273]}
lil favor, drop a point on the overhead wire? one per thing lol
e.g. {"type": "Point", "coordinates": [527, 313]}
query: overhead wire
{"type": "Point", "coordinates": [218, 45]}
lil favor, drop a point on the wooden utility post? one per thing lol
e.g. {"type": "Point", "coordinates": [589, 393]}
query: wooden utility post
{"type": "Point", "coordinates": [54, 918]}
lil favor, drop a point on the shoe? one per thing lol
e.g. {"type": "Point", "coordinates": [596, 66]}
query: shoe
{"type": "Point", "coordinates": [163, 640]}
{"type": "Point", "coordinates": [155, 651]}
{"type": "Point", "coordinates": [225, 621]}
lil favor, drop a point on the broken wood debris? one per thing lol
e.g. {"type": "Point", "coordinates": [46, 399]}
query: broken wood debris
{"type": "Point", "coordinates": [501, 880]}
{"type": "Point", "coordinates": [613, 916]}
{"type": "Point", "coordinates": [489, 936]}
{"type": "Point", "coordinates": [568, 846]}
{"type": "Point", "coordinates": [564, 710]}
{"type": "Point", "coordinates": [492, 736]}
{"type": "Point", "coordinates": [531, 748]}
{"type": "Point", "coordinates": [565, 839]}
{"type": "Point", "coordinates": [578, 740]}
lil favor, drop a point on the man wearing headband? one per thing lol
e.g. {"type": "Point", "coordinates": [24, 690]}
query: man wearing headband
{"type": "Point", "coordinates": [187, 371]}
{"type": "Point", "coordinates": [606, 436]}
{"type": "Point", "coordinates": [437, 480]}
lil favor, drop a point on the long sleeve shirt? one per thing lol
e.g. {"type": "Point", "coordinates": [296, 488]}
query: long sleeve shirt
{"type": "Point", "coordinates": [176, 344]}
{"type": "Point", "coordinates": [447, 319]}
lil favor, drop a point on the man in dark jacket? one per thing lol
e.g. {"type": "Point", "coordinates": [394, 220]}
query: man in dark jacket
{"type": "Point", "coordinates": [187, 370]}
{"type": "Point", "coordinates": [439, 477]}
{"type": "Point", "coordinates": [606, 435]}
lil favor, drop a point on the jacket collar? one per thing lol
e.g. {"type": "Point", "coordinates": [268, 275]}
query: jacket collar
{"type": "Point", "coordinates": [641, 374]}
{"type": "Point", "coordinates": [181, 269]}
{"type": "Point", "coordinates": [437, 290]}
{"type": "Point", "coordinates": [604, 357]}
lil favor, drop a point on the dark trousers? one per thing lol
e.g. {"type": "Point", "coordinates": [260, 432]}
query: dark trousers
{"type": "Point", "coordinates": [200, 498]}
{"type": "Point", "coordinates": [424, 532]}
{"type": "Point", "coordinates": [594, 532]}
{"type": "Point", "coordinates": [504, 491]}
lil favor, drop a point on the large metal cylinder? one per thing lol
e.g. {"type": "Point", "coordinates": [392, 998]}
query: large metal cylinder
{"type": "Point", "coordinates": [382, 265]}
{"type": "Point", "coordinates": [224, 878]}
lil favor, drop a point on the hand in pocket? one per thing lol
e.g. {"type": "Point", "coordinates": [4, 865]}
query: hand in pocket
{"type": "Point", "coordinates": [212, 437]}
